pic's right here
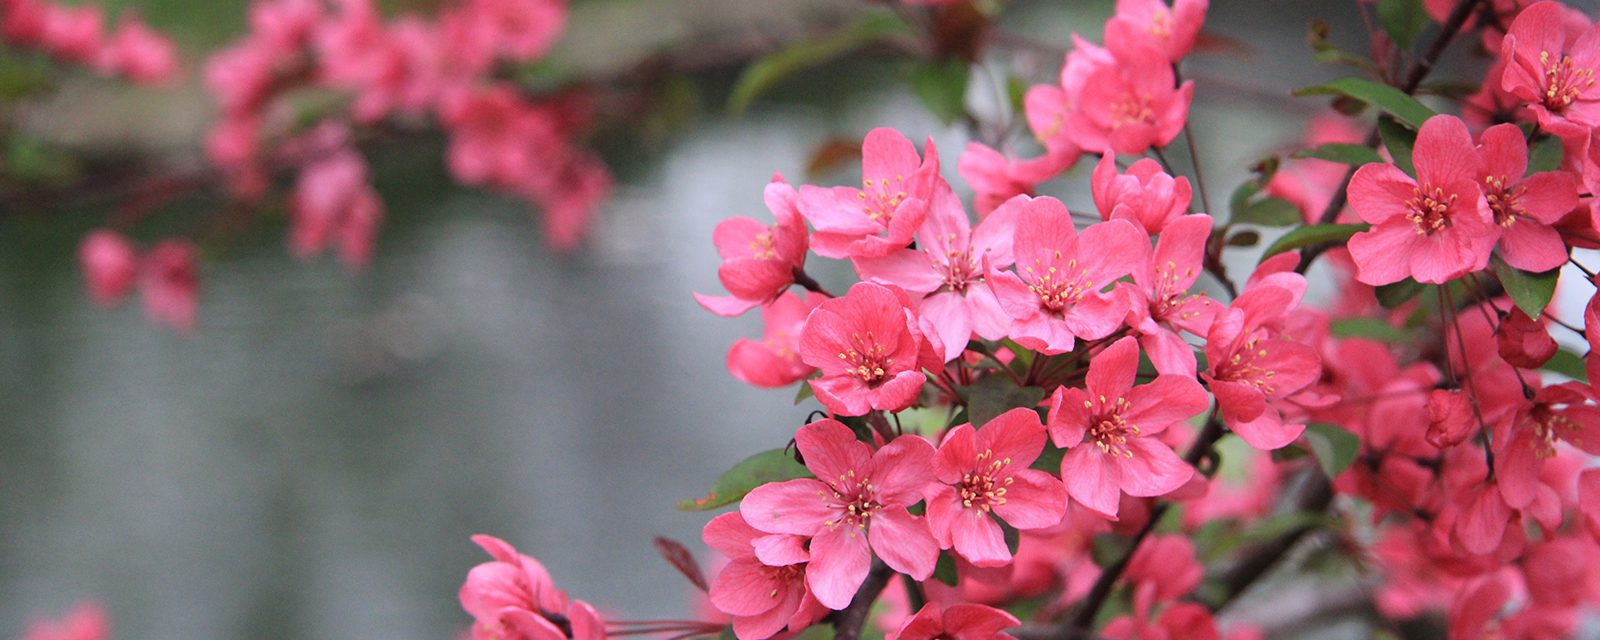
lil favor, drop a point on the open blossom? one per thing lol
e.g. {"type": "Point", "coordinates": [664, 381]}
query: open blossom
{"type": "Point", "coordinates": [1160, 304]}
{"type": "Point", "coordinates": [1524, 206]}
{"type": "Point", "coordinates": [764, 584]}
{"type": "Point", "coordinates": [169, 282]}
{"type": "Point", "coordinates": [985, 471]}
{"type": "Point", "coordinates": [1055, 295]}
{"type": "Point", "coordinates": [1558, 413]}
{"type": "Point", "coordinates": [947, 268]}
{"type": "Point", "coordinates": [758, 260]}
{"type": "Point", "coordinates": [881, 216]}
{"type": "Point", "coordinates": [1434, 228]}
{"type": "Point", "coordinates": [1048, 107]}
{"type": "Point", "coordinates": [1145, 194]}
{"type": "Point", "coordinates": [513, 598]}
{"type": "Point", "coordinates": [1551, 68]}
{"type": "Point", "coordinates": [1170, 30]}
{"type": "Point", "coordinates": [774, 360]}
{"type": "Point", "coordinates": [997, 177]}
{"type": "Point", "coordinates": [110, 265]}
{"type": "Point", "coordinates": [333, 203]}
{"type": "Point", "coordinates": [138, 53]}
{"type": "Point", "coordinates": [1110, 430]}
{"type": "Point", "coordinates": [957, 622]}
{"type": "Point", "coordinates": [1252, 366]}
{"type": "Point", "coordinates": [870, 351]}
{"type": "Point", "coordinates": [87, 621]}
{"type": "Point", "coordinates": [1130, 105]}
{"type": "Point", "coordinates": [855, 507]}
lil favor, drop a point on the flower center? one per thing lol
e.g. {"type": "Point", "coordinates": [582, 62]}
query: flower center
{"type": "Point", "coordinates": [960, 269]}
{"type": "Point", "coordinates": [764, 247]}
{"type": "Point", "coordinates": [1170, 294]}
{"type": "Point", "coordinates": [1133, 108]}
{"type": "Point", "coordinates": [1161, 25]}
{"type": "Point", "coordinates": [1506, 203]}
{"type": "Point", "coordinates": [879, 201]}
{"type": "Point", "coordinates": [984, 487]}
{"type": "Point", "coordinates": [1108, 429]}
{"type": "Point", "coordinates": [1242, 367]}
{"type": "Point", "coordinates": [1548, 427]}
{"type": "Point", "coordinates": [868, 359]}
{"type": "Point", "coordinates": [856, 501]}
{"type": "Point", "coordinates": [1057, 290]}
{"type": "Point", "coordinates": [1564, 80]}
{"type": "Point", "coordinates": [1428, 209]}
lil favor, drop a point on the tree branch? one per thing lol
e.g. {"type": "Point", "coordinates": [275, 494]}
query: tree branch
{"type": "Point", "coordinates": [847, 622]}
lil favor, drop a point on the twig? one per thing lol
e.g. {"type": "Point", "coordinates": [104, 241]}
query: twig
{"type": "Point", "coordinates": [847, 622]}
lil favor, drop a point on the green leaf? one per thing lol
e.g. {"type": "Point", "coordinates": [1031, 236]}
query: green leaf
{"type": "Point", "coordinates": [1531, 291]}
{"type": "Point", "coordinates": [1384, 97]}
{"type": "Point", "coordinates": [1242, 195]}
{"type": "Point", "coordinates": [1268, 212]}
{"type": "Point", "coordinates": [1372, 328]}
{"type": "Point", "coordinates": [1399, 141]}
{"type": "Point", "coordinates": [1342, 152]}
{"type": "Point", "coordinates": [943, 88]}
{"type": "Point", "coordinates": [1312, 234]}
{"type": "Point", "coordinates": [804, 392]}
{"type": "Point", "coordinates": [767, 71]}
{"type": "Point", "coordinates": [1403, 20]}
{"type": "Point", "coordinates": [1244, 239]}
{"type": "Point", "coordinates": [1568, 364]}
{"type": "Point", "coordinates": [1545, 155]}
{"type": "Point", "coordinates": [995, 394]}
{"type": "Point", "coordinates": [775, 465]}
{"type": "Point", "coordinates": [1334, 447]}
{"type": "Point", "coordinates": [1395, 294]}
{"type": "Point", "coordinates": [945, 570]}
{"type": "Point", "coordinates": [1326, 52]}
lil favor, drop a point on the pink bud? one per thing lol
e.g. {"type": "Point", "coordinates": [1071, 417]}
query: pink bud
{"type": "Point", "coordinates": [109, 265]}
{"type": "Point", "coordinates": [1450, 418]}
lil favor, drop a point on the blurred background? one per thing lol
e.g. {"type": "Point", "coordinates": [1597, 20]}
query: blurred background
{"type": "Point", "coordinates": [311, 461]}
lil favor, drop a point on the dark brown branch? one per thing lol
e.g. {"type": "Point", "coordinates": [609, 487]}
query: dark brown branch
{"type": "Point", "coordinates": [847, 622]}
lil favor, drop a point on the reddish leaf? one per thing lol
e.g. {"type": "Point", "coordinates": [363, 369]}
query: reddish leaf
{"type": "Point", "coordinates": [680, 558]}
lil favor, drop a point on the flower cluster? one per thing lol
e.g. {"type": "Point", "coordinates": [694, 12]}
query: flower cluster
{"type": "Point", "coordinates": [76, 35]}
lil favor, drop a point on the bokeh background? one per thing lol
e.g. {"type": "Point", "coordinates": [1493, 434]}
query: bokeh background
{"type": "Point", "coordinates": [311, 461]}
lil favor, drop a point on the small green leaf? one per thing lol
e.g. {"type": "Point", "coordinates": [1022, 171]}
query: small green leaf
{"type": "Point", "coordinates": [1268, 212]}
{"type": "Point", "coordinates": [1312, 234]}
{"type": "Point", "coordinates": [943, 88]}
{"type": "Point", "coordinates": [1395, 294]}
{"type": "Point", "coordinates": [1545, 155]}
{"type": "Point", "coordinates": [994, 394]}
{"type": "Point", "coordinates": [1342, 152]}
{"type": "Point", "coordinates": [1399, 141]}
{"type": "Point", "coordinates": [1531, 291]}
{"type": "Point", "coordinates": [775, 465]}
{"type": "Point", "coordinates": [768, 71]}
{"type": "Point", "coordinates": [1334, 447]}
{"type": "Point", "coordinates": [1326, 52]}
{"type": "Point", "coordinates": [1384, 97]}
{"type": "Point", "coordinates": [945, 570]}
{"type": "Point", "coordinates": [1568, 364]}
{"type": "Point", "coordinates": [1403, 20]}
{"type": "Point", "coordinates": [1371, 328]}
{"type": "Point", "coordinates": [803, 393]}
{"type": "Point", "coordinates": [1244, 239]}
{"type": "Point", "coordinates": [1049, 460]}
{"type": "Point", "coordinates": [1242, 195]}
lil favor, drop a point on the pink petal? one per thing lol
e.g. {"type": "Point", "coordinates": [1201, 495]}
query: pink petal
{"type": "Point", "coordinates": [977, 538]}
{"type": "Point", "coordinates": [1111, 372]}
{"type": "Point", "coordinates": [744, 588]}
{"type": "Point", "coordinates": [839, 564]}
{"type": "Point", "coordinates": [831, 451]}
{"type": "Point", "coordinates": [1034, 500]}
{"type": "Point", "coordinates": [1154, 470]}
{"type": "Point", "coordinates": [1091, 479]}
{"type": "Point", "coordinates": [795, 507]}
{"type": "Point", "coordinates": [903, 541]}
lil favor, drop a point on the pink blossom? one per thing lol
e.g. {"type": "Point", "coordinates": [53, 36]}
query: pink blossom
{"type": "Point", "coordinates": [1252, 366]}
{"type": "Point", "coordinates": [885, 212]}
{"type": "Point", "coordinates": [869, 348]}
{"type": "Point", "coordinates": [985, 471]}
{"type": "Point", "coordinates": [1589, 501]}
{"type": "Point", "coordinates": [1131, 105]}
{"type": "Point", "coordinates": [1055, 295]}
{"type": "Point", "coordinates": [1182, 621]}
{"type": "Point", "coordinates": [997, 177]}
{"type": "Point", "coordinates": [513, 598]}
{"type": "Point", "coordinates": [858, 500]}
{"type": "Point", "coordinates": [73, 34]}
{"type": "Point", "coordinates": [1171, 31]}
{"type": "Point", "coordinates": [139, 53]}
{"type": "Point", "coordinates": [522, 30]}
{"type": "Point", "coordinates": [110, 265]}
{"type": "Point", "coordinates": [764, 584]}
{"type": "Point", "coordinates": [169, 280]}
{"type": "Point", "coordinates": [1048, 107]}
{"type": "Point", "coordinates": [1435, 228]}
{"type": "Point", "coordinates": [1450, 418]}
{"type": "Point", "coordinates": [86, 621]}
{"type": "Point", "coordinates": [759, 261]}
{"type": "Point", "coordinates": [1160, 304]}
{"type": "Point", "coordinates": [1551, 68]}
{"type": "Point", "coordinates": [957, 622]}
{"type": "Point", "coordinates": [334, 204]}
{"type": "Point", "coordinates": [774, 361]}
{"type": "Point", "coordinates": [947, 269]}
{"type": "Point", "coordinates": [1111, 430]}
{"type": "Point", "coordinates": [1524, 207]}
{"type": "Point", "coordinates": [1562, 413]}
{"type": "Point", "coordinates": [1145, 195]}
{"type": "Point", "coordinates": [1523, 341]}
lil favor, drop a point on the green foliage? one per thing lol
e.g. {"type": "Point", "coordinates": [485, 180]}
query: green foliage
{"type": "Point", "coordinates": [1383, 97]}
{"type": "Point", "coordinates": [993, 395]}
{"type": "Point", "coordinates": [1312, 234]}
{"type": "Point", "coordinates": [1568, 364]}
{"type": "Point", "coordinates": [1399, 141]}
{"type": "Point", "coordinates": [1333, 447]}
{"type": "Point", "coordinates": [1244, 239]}
{"type": "Point", "coordinates": [1545, 155]}
{"type": "Point", "coordinates": [1268, 212]}
{"type": "Point", "coordinates": [774, 465]}
{"type": "Point", "coordinates": [1531, 291]}
{"type": "Point", "coordinates": [942, 85]}
{"type": "Point", "coordinates": [768, 71]}
{"type": "Point", "coordinates": [1403, 20]}
{"type": "Point", "coordinates": [1397, 293]}
{"type": "Point", "coordinates": [1343, 153]}
{"type": "Point", "coordinates": [1370, 328]}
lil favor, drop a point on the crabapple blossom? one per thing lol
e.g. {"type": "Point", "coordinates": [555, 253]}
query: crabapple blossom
{"type": "Point", "coordinates": [1145, 194]}
{"type": "Point", "coordinates": [985, 471]}
{"type": "Point", "coordinates": [870, 350]}
{"type": "Point", "coordinates": [884, 214]}
{"type": "Point", "coordinates": [759, 261]}
{"type": "Point", "coordinates": [774, 361]}
{"type": "Point", "coordinates": [957, 622]}
{"type": "Point", "coordinates": [763, 592]}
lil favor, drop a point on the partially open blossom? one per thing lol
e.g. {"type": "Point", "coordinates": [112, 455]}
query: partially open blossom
{"type": "Point", "coordinates": [333, 204]}
{"type": "Point", "coordinates": [985, 471]}
{"type": "Point", "coordinates": [1252, 366]}
{"type": "Point", "coordinates": [513, 598]}
{"type": "Point", "coordinates": [774, 360]}
{"type": "Point", "coordinates": [110, 265]}
{"type": "Point", "coordinates": [1523, 341]}
{"type": "Point", "coordinates": [869, 349]}
{"type": "Point", "coordinates": [137, 52]}
{"type": "Point", "coordinates": [997, 178]}
{"type": "Point", "coordinates": [758, 260]}
{"type": "Point", "coordinates": [881, 216]}
{"type": "Point", "coordinates": [1434, 228]}
{"type": "Point", "coordinates": [1524, 206]}
{"type": "Point", "coordinates": [1450, 418]}
{"type": "Point", "coordinates": [1111, 430]}
{"type": "Point", "coordinates": [766, 594]}
{"type": "Point", "coordinates": [1160, 305]}
{"type": "Point", "coordinates": [169, 282]}
{"type": "Point", "coordinates": [1131, 105]}
{"type": "Point", "coordinates": [86, 621]}
{"type": "Point", "coordinates": [1170, 30]}
{"type": "Point", "coordinates": [1552, 69]}
{"type": "Point", "coordinates": [957, 622]}
{"type": "Point", "coordinates": [857, 502]}
{"type": "Point", "coordinates": [1145, 194]}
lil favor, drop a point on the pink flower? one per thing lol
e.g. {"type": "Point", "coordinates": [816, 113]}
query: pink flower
{"type": "Point", "coordinates": [73, 34]}
{"type": "Point", "coordinates": [947, 269]}
{"type": "Point", "coordinates": [1183, 621]}
{"type": "Point", "coordinates": [334, 204]}
{"type": "Point", "coordinates": [983, 471]}
{"type": "Point", "coordinates": [139, 53]}
{"type": "Point", "coordinates": [867, 345]}
{"type": "Point", "coordinates": [1252, 366]}
{"type": "Point", "coordinates": [1450, 418]}
{"type": "Point", "coordinates": [1589, 501]}
{"type": "Point", "coordinates": [1056, 293]}
{"type": "Point", "coordinates": [1109, 430]}
{"type": "Point", "coordinates": [86, 621]}
{"type": "Point", "coordinates": [522, 30]}
{"type": "Point", "coordinates": [1130, 106]}
{"type": "Point", "coordinates": [169, 279]}
{"type": "Point", "coordinates": [758, 261]}
{"type": "Point", "coordinates": [1551, 68]}
{"type": "Point", "coordinates": [764, 584]}
{"type": "Point", "coordinates": [1145, 195]}
{"type": "Point", "coordinates": [1435, 228]}
{"type": "Point", "coordinates": [1525, 208]}
{"type": "Point", "coordinates": [1160, 303]}
{"type": "Point", "coordinates": [1523, 341]}
{"type": "Point", "coordinates": [997, 178]}
{"type": "Point", "coordinates": [1171, 31]}
{"type": "Point", "coordinates": [110, 265]}
{"type": "Point", "coordinates": [885, 212]}
{"type": "Point", "coordinates": [1048, 107]}
{"type": "Point", "coordinates": [1164, 569]}
{"type": "Point", "coordinates": [957, 622]}
{"type": "Point", "coordinates": [513, 598]}
{"type": "Point", "coordinates": [858, 500]}
{"type": "Point", "coordinates": [1557, 413]}
{"type": "Point", "coordinates": [774, 361]}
